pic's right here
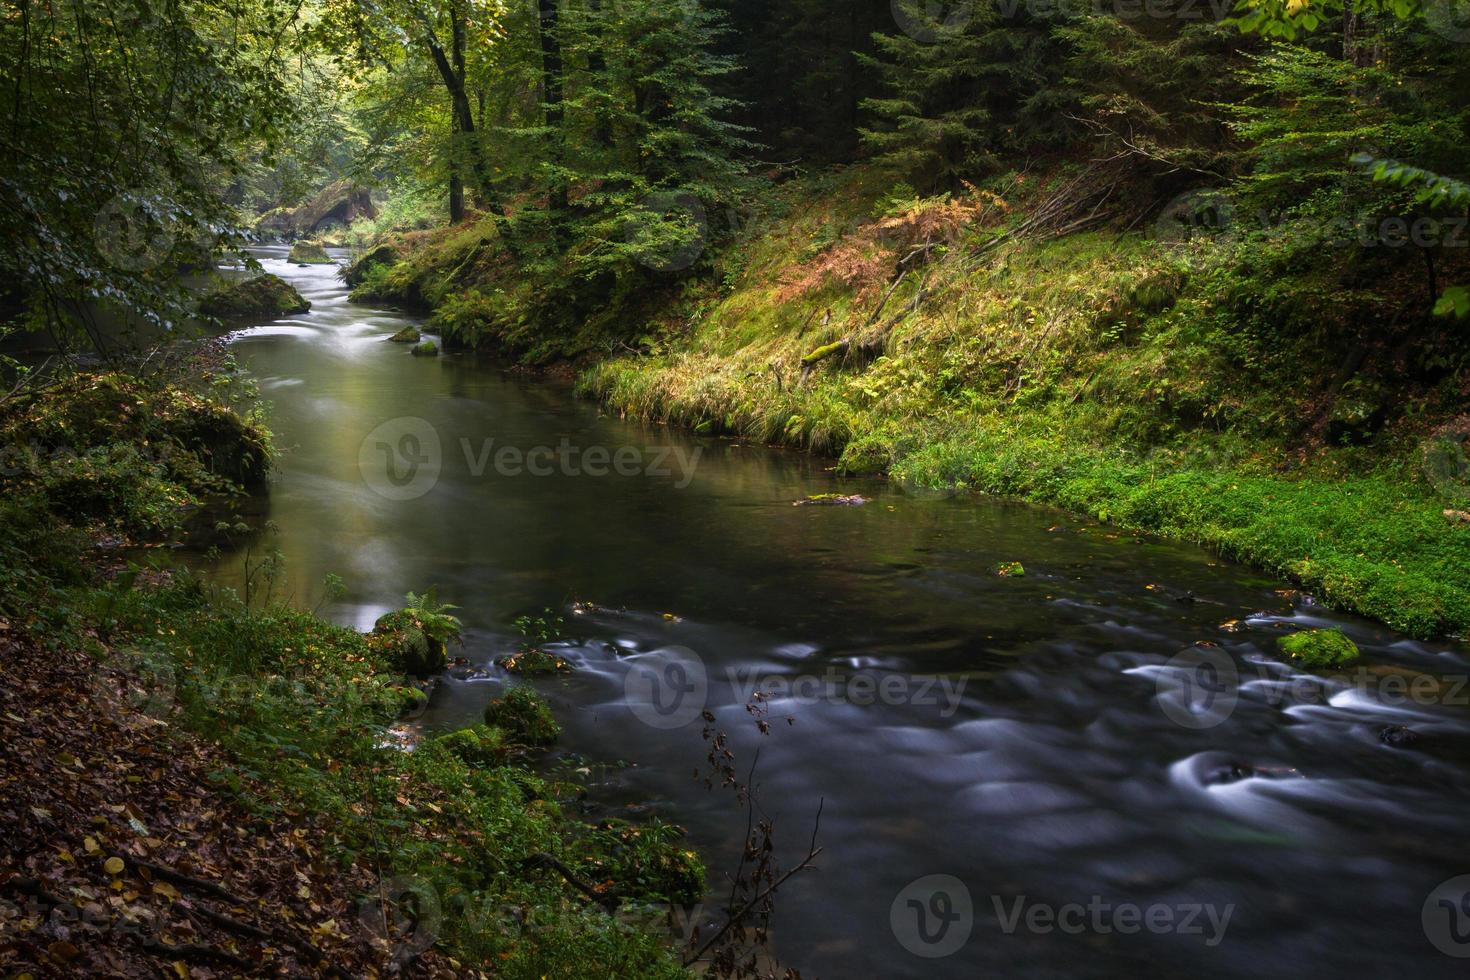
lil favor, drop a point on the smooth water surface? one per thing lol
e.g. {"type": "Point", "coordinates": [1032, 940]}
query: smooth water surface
{"type": "Point", "coordinates": [1030, 737]}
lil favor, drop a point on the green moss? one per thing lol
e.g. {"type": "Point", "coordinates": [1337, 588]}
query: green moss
{"type": "Point", "coordinates": [309, 253]}
{"type": "Point", "coordinates": [524, 716]}
{"type": "Point", "coordinates": [407, 701]}
{"type": "Point", "coordinates": [533, 662]}
{"type": "Point", "coordinates": [478, 746]}
{"type": "Point", "coordinates": [426, 349]}
{"type": "Point", "coordinates": [378, 257]}
{"type": "Point", "coordinates": [1320, 648]}
{"type": "Point", "coordinates": [1010, 569]}
{"type": "Point", "coordinates": [408, 335]}
{"type": "Point", "coordinates": [264, 296]}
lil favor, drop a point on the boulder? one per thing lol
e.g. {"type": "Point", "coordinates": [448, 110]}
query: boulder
{"type": "Point", "coordinates": [381, 255]}
{"type": "Point", "coordinates": [1320, 648]}
{"type": "Point", "coordinates": [264, 297]}
{"type": "Point", "coordinates": [426, 349]}
{"type": "Point", "coordinates": [309, 253]}
{"type": "Point", "coordinates": [338, 204]}
{"type": "Point", "coordinates": [408, 335]}
{"type": "Point", "coordinates": [400, 639]}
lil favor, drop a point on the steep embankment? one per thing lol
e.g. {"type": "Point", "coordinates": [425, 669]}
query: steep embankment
{"type": "Point", "coordinates": [1260, 391]}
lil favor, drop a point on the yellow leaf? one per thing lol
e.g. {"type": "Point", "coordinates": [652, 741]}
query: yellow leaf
{"type": "Point", "coordinates": [90, 843]}
{"type": "Point", "coordinates": [166, 890]}
{"type": "Point", "coordinates": [113, 866]}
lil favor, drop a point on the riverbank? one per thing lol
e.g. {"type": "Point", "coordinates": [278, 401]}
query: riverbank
{"type": "Point", "coordinates": [203, 780]}
{"type": "Point", "coordinates": [1257, 391]}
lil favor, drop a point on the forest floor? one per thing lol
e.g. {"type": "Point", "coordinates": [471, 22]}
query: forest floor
{"type": "Point", "coordinates": [124, 856]}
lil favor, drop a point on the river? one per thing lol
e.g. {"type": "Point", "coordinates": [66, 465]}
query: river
{"type": "Point", "coordinates": [1105, 761]}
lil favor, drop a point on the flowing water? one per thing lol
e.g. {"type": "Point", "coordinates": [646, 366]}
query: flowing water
{"type": "Point", "coordinates": [1105, 760]}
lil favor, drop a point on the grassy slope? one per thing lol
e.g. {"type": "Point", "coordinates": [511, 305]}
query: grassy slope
{"type": "Point", "coordinates": [1184, 390]}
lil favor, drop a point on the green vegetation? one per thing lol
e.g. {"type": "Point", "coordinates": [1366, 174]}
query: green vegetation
{"type": "Point", "coordinates": [524, 717]}
{"type": "Point", "coordinates": [263, 297]}
{"type": "Point", "coordinates": [302, 709]}
{"type": "Point", "coordinates": [425, 348]}
{"type": "Point", "coordinates": [408, 335]}
{"type": "Point", "coordinates": [1320, 648]}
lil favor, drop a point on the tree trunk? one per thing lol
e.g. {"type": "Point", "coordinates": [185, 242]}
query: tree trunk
{"type": "Point", "coordinates": [551, 94]}
{"type": "Point", "coordinates": [464, 118]}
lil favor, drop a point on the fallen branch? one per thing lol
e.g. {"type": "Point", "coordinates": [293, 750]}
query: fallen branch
{"type": "Point", "coordinates": [543, 860]}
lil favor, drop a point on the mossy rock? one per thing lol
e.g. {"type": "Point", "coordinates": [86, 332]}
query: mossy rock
{"type": "Point", "coordinates": [426, 349]}
{"type": "Point", "coordinates": [309, 253]}
{"type": "Point", "coordinates": [356, 273]}
{"type": "Point", "coordinates": [1320, 648]}
{"type": "Point", "coordinates": [533, 662]}
{"type": "Point", "coordinates": [478, 746]}
{"type": "Point", "coordinates": [408, 335]}
{"type": "Point", "coordinates": [524, 717]}
{"type": "Point", "coordinates": [407, 701]}
{"type": "Point", "coordinates": [1010, 569]}
{"type": "Point", "coordinates": [228, 446]}
{"type": "Point", "coordinates": [400, 639]}
{"type": "Point", "coordinates": [264, 296]}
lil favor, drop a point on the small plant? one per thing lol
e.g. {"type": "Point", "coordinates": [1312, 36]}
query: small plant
{"type": "Point", "coordinates": [531, 657]}
{"type": "Point", "coordinates": [434, 617]}
{"type": "Point", "coordinates": [524, 716]}
{"type": "Point", "coordinates": [1320, 648]}
{"type": "Point", "coordinates": [1010, 569]}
